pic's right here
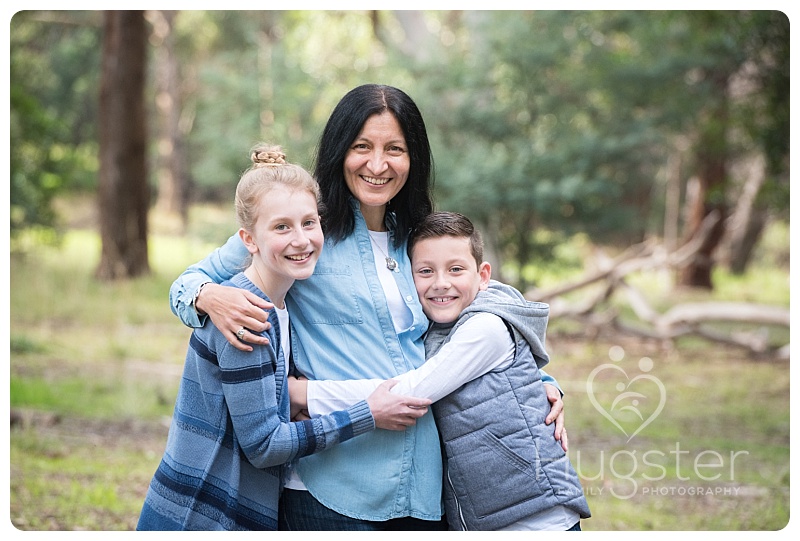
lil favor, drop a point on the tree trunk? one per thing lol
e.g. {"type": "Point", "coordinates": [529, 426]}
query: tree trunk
{"type": "Point", "coordinates": [123, 190]}
{"type": "Point", "coordinates": [266, 71]}
{"type": "Point", "coordinates": [711, 183]}
{"type": "Point", "coordinates": [747, 221]}
{"type": "Point", "coordinates": [416, 42]}
{"type": "Point", "coordinates": [489, 235]}
{"type": "Point", "coordinates": [171, 170]}
{"type": "Point", "coordinates": [742, 252]}
{"type": "Point", "coordinates": [672, 201]}
{"type": "Point", "coordinates": [698, 272]}
{"type": "Point", "coordinates": [525, 247]}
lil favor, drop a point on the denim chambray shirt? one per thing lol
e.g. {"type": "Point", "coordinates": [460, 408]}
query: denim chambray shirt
{"type": "Point", "coordinates": [342, 329]}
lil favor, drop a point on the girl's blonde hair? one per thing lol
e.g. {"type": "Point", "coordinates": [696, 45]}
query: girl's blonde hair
{"type": "Point", "coordinates": [269, 169]}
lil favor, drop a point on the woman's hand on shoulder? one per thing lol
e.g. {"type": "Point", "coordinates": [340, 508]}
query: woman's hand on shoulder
{"type": "Point", "coordinates": [556, 414]}
{"type": "Point", "coordinates": [233, 309]}
{"type": "Point", "coordinates": [393, 411]}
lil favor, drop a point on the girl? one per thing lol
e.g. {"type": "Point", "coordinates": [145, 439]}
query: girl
{"type": "Point", "coordinates": [231, 435]}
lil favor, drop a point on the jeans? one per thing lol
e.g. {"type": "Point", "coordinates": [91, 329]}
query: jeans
{"type": "Point", "coordinates": [299, 510]}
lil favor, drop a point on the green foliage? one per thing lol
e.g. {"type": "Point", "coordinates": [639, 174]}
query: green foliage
{"type": "Point", "coordinates": [550, 144]}
{"type": "Point", "coordinates": [53, 89]}
{"type": "Point", "coordinates": [34, 178]}
{"type": "Point", "coordinates": [562, 120]}
{"type": "Point", "coordinates": [565, 120]}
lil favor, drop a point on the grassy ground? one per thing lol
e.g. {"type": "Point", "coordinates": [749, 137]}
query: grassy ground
{"type": "Point", "coordinates": [94, 369]}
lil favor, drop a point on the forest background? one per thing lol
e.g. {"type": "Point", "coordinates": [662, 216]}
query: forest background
{"type": "Point", "coordinates": [629, 167]}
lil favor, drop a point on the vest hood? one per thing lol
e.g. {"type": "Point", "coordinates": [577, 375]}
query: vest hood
{"type": "Point", "coordinates": [528, 319]}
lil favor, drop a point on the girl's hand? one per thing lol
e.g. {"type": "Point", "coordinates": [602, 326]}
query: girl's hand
{"type": "Point", "coordinates": [395, 412]}
{"type": "Point", "coordinates": [298, 393]}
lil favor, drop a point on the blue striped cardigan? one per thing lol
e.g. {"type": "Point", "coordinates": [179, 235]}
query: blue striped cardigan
{"type": "Point", "coordinates": [230, 438]}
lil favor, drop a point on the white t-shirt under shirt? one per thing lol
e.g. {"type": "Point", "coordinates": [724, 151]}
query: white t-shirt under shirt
{"type": "Point", "coordinates": [293, 481]}
{"type": "Point", "coordinates": [286, 344]}
{"type": "Point", "coordinates": [401, 315]}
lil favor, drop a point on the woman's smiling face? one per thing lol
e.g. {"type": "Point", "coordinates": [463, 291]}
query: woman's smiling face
{"type": "Point", "coordinates": [376, 166]}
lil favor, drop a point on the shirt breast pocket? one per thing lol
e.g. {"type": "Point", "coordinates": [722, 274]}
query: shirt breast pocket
{"type": "Point", "coordinates": [329, 297]}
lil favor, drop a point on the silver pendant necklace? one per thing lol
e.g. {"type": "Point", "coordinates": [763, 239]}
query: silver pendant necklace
{"type": "Point", "coordinates": [391, 263]}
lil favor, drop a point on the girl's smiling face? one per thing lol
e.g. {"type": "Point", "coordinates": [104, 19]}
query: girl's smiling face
{"type": "Point", "coordinates": [287, 238]}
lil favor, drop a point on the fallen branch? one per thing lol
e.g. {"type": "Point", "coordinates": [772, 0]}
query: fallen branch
{"type": "Point", "coordinates": [680, 320]}
{"type": "Point", "coordinates": [725, 311]}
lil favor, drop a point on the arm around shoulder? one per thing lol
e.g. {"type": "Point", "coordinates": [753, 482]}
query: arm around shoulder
{"type": "Point", "coordinates": [217, 267]}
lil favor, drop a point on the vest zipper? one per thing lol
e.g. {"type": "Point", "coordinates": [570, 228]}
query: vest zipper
{"type": "Point", "coordinates": [458, 505]}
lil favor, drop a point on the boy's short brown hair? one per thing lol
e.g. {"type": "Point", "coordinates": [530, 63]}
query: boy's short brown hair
{"type": "Point", "coordinates": [453, 224]}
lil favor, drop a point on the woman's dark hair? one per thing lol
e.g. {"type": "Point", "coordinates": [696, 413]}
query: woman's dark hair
{"type": "Point", "coordinates": [414, 200]}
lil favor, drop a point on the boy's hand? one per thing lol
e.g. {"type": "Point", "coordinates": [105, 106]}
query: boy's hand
{"type": "Point", "coordinates": [556, 414]}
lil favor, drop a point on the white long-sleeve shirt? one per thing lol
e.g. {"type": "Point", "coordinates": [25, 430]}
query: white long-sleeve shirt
{"type": "Point", "coordinates": [480, 345]}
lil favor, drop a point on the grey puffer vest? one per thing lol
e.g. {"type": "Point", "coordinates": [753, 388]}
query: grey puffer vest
{"type": "Point", "coordinates": [502, 463]}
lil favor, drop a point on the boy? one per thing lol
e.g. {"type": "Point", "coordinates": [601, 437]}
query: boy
{"type": "Point", "coordinates": [504, 470]}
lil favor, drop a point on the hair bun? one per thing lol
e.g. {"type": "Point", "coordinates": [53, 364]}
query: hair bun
{"type": "Point", "coordinates": [268, 157]}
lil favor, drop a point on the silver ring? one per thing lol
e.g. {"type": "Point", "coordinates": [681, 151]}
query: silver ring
{"type": "Point", "coordinates": [240, 334]}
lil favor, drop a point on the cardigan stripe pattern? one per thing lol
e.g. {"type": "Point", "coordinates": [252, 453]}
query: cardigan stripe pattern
{"type": "Point", "coordinates": [231, 439]}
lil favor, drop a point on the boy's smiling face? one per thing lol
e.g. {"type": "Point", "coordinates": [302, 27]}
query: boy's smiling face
{"type": "Point", "coordinates": [446, 276]}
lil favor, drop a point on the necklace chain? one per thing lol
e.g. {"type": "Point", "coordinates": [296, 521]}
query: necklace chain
{"type": "Point", "coordinates": [391, 263]}
{"type": "Point", "coordinates": [263, 284]}
{"type": "Point", "coordinates": [260, 279]}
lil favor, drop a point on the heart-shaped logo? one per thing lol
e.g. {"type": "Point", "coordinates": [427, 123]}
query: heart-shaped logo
{"type": "Point", "coordinates": [630, 396]}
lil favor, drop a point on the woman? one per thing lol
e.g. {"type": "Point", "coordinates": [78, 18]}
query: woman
{"type": "Point", "coordinates": [357, 316]}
